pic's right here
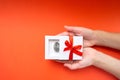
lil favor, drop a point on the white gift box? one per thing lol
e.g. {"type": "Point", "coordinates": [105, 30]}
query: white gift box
{"type": "Point", "coordinates": [55, 45]}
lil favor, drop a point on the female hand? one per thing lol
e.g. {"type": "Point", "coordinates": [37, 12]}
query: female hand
{"type": "Point", "coordinates": [88, 34]}
{"type": "Point", "coordinates": [89, 55]}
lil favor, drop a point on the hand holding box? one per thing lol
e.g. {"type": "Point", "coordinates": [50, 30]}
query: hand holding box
{"type": "Point", "coordinates": [63, 47]}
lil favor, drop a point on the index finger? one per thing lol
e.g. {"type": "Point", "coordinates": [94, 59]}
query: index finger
{"type": "Point", "coordinates": [63, 34]}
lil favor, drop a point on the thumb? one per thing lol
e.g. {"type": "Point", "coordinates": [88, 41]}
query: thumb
{"type": "Point", "coordinates": [75, 30]}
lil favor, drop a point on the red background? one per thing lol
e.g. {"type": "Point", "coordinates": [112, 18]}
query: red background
{"type": "Point", "coordinates": [24, 23]}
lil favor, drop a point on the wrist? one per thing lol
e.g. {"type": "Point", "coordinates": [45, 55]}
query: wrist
{"type": "Point", "coordinates": [99, 37]}
{"type": "Point", "coordinates": [98, 59]}
{"type": "Point", "coordinates": [96, 56]}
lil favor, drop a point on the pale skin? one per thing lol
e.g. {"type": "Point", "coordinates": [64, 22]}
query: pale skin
{"type": "Point", "coordinates": [92, 56]}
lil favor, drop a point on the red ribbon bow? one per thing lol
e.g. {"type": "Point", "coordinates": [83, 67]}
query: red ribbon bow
{"type": "Point", "coordinates": [73, 49]}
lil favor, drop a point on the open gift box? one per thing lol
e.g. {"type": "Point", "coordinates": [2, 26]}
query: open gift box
{"type": "Point", "coordinates": [63, 47]}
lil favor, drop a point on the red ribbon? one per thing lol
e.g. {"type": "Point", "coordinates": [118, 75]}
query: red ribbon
{"type": "Point", "coordinates": [73, 49]}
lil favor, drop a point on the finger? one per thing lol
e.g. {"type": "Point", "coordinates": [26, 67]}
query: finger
{"type": "Point", "coordinates": [64, 61]}
{"type": "Point", "coordinates": [73, 66]}
{"type": "Point", "coordinates": [75, 30]}
{"type": "Point", "coordinates": [63, 34]}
